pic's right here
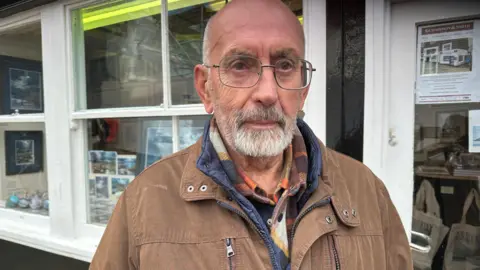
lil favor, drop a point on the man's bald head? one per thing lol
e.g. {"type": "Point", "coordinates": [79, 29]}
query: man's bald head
{"type": "Point", "coordinates": [241, 12]}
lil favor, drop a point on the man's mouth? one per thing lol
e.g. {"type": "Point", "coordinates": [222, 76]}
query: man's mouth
{"type": "Point", "coordinates": [261, 124]}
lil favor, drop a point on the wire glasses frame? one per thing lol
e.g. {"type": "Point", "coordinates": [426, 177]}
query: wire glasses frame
{"type": "Point", "coordinates": [241, 71]}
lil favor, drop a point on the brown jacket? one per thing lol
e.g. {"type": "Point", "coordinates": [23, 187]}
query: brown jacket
{"type": "Point", "coordinates": [160, 222]}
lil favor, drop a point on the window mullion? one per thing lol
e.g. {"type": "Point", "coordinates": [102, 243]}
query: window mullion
{"type": "Point", "coordinates": [175, 134]}
{"type": "Point", "coordinates": [54, 37]}
{"type": "Point", "coordinates": [165, 56]}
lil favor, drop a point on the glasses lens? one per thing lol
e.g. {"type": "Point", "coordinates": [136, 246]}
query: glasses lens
{"type": "Point", "coordinates": [293, 74]}
{"type": "Point", "coordinates": [239, 71]}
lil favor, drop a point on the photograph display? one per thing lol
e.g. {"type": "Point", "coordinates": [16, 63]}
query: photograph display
{"type": "Point", "coordinates": [446, 60]}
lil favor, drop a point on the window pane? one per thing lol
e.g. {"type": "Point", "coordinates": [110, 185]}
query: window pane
{"type": "Point", "coordinates": [122, 56]}
{"type": "Point", "coordinates": [191, 129]}
{"type": "Point", "coordinates": [187, 26]}
{"type": "Point", "coordinates": [118, 150]}
{"type": "Point", "coordinates": [24, 184]}
{"type": "Point", "coordinates": [446, 149]}
{"type": "Point", "coordinates": [21, 70]}
{"type": "Point", "coordinates": [186, 40]}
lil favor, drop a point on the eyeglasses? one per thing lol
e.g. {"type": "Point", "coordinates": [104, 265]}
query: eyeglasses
{"type": "Point", "coordinates": [242, 71]}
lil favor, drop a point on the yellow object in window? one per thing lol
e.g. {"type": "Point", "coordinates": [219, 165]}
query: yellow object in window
{"type": "Point", "coordinates": [95, 17]}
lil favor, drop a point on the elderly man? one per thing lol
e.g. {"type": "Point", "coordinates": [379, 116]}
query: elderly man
{"type": "Point", "coordinates": [258, 190]}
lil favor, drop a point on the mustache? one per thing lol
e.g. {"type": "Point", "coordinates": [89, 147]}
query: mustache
{"type": "Point", "coordinates": [260, 114]}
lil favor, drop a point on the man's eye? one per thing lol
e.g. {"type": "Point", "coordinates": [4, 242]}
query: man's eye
{"type": "Point", "coordinates": [285, 65]}
{"type": "Point", "coordinates": [239, 66]}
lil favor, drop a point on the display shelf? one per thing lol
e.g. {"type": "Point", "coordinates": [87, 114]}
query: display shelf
{"type": "Point", "coordinates": [447, 177]}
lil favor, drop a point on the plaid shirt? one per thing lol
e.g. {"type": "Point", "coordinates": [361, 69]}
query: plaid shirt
{"type": "Point", "coordinates": [290, 187]}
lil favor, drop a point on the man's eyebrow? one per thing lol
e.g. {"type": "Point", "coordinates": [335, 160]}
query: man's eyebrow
{"type": "Point", "coordinates": [239, 51]}
{"type": "Point", "coordinates": [284, 53]}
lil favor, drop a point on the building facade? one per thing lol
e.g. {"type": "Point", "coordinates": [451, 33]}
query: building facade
{"type": "Point", "coordinates": [95, 91]}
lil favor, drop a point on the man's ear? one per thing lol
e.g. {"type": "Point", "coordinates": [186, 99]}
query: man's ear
{"type": "Point", "coordinates": [303, 97]}
{"type": "Point", "coordinates": [201, 84]}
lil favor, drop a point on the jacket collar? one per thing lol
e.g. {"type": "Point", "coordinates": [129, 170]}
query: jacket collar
{"type": "Point", "coordinates": [197, 186]}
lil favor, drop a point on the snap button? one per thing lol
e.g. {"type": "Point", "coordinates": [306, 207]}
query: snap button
{"type": "Point", "coordinates": [203, 188]}
{"type": "Point", "coordinates": [345, 213]}
{"type": "Point", "coordinates": [269, 222]}
{"type": "Point", "coordinates": [190, 188]}
{"type": "Point", "coordinates": [329, 219]}
{"type": "Point", "coordinates": [354, 213]}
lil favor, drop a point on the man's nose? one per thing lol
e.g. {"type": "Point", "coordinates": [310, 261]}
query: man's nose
{"type": "Point", "coordinates": [266, 90]}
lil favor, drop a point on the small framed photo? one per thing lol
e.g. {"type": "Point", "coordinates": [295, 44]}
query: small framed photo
{"type": "Point", "coordinates": [21, 82]}
{"type": "Point", "coordinates": [126, 164]}
{"type": "Point", "coordinates": [102, 162]}
{"type": "Point", "coordinates": [119, 184]}
{"type": "Point", "coordinates": [101, 187]}
{"type": "Point", "coordinates": [23, 152]}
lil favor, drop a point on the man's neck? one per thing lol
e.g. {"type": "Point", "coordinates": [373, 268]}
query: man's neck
{"type": "Point", "coordinates": [265, 171]}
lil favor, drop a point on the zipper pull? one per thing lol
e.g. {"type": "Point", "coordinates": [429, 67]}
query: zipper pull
{"type": "Point", "coordinates": [230, 251]}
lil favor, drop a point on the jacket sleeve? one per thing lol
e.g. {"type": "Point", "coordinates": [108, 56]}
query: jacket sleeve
{"type": "Point", "coordinates": [117, 249]}
{"type": "Point", "coordinates": [397, 247]}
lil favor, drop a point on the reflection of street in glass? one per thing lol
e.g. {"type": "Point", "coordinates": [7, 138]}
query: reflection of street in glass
{"type": "Point", "coordinates": [24, 152]}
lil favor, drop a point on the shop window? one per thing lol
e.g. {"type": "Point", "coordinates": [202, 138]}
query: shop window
{"type": "Point", "coordinates": [23, 171]}
{"type": "Point", "coordinates": [24, 185]}
{"type": "Point", "coordinates": [122, 59]}
{"type": "Point", "coordinates": [446, 149]}
{"type": "Point", "coordinates": [186, 42]}
{"type": "Point", "coordinates": [118, 150]}
{"type": "Point", "coordinates": [21, 71]}
{"type": "Point", "coordinates": [118, 64]}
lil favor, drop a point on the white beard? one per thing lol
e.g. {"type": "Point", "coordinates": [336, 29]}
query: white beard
{"type": "Point", "coordinates": [265, 143]}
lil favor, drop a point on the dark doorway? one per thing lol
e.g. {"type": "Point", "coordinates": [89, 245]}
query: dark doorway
{"type": "Point", "coordinates": [345, 76]}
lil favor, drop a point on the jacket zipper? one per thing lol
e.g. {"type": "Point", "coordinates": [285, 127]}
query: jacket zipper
{"type": "Point", "coordinates": [269, 245]}
{"type": "Point", "coordinates": [335, 254]}
{"type": "Point", "coordinates": [230, 252]}
{"type": "Point", "coordinates": [302, 214]}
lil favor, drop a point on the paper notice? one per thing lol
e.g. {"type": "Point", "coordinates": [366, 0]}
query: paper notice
{"type": "Point", "coordinates": [447, 64]}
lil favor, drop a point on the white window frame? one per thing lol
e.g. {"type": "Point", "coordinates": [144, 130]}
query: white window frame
{"type": "Point", "coordinates": [66, 231]}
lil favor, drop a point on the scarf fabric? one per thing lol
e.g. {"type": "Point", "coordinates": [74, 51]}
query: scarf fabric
{"type": "Point", "coordinates": [291, 186]}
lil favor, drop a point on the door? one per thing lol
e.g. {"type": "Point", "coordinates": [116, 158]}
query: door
{"type": "Point", "coordinates": [432, 162]}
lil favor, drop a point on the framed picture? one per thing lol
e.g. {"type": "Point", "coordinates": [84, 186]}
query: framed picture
{"type": "Point", "coordinates": [155, 144]}
{"type": "Point", "coordinates": [102, 162]}
{"type": "Point", "coordinates": [126, 164]}
{"type": "Point", "coordinates": [119, 183]}
{"type": "Point", "coordinates": [101, 187]}
{"type": "Point", "coordinates": [21, 83]}
{"type": "Point", "coordinates": [23, 152]}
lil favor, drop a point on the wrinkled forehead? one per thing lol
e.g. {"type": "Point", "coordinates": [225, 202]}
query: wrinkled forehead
{"type": "Point", "coordinates": [264, 36]}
